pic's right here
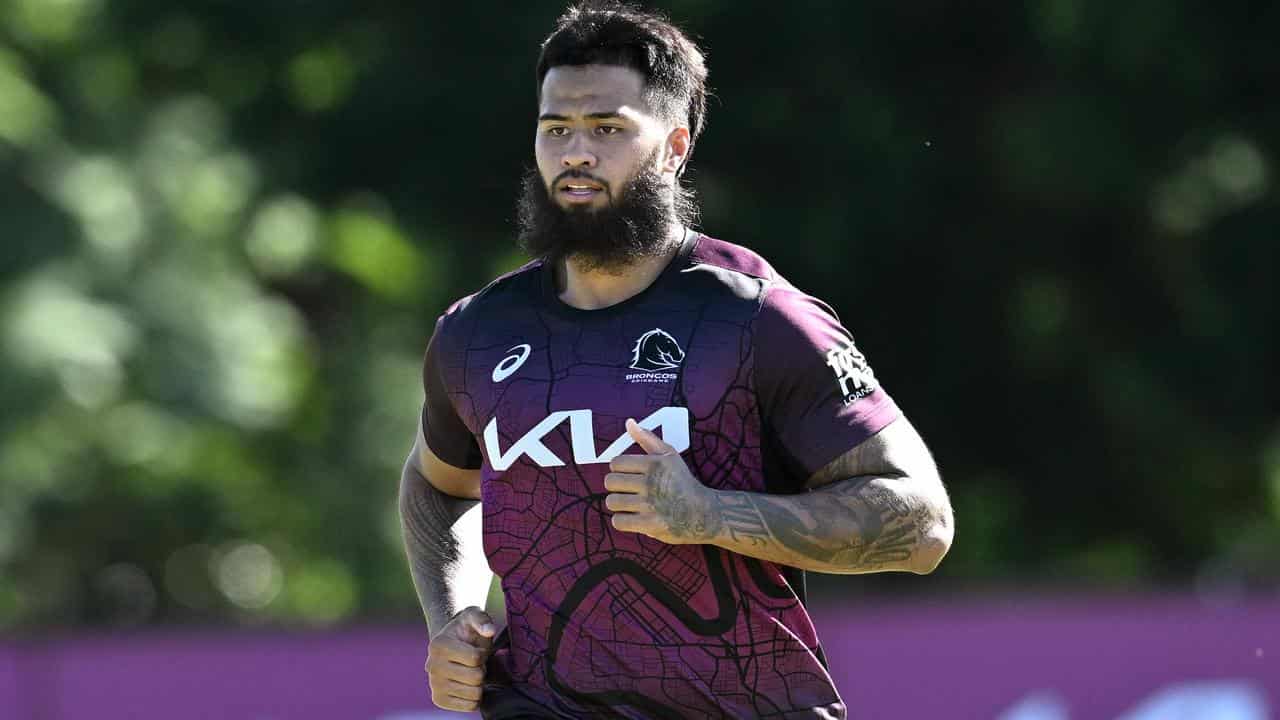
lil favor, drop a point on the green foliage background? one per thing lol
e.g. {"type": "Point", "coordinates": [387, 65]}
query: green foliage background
{"type": "Point", "coordinates": [226, 229]}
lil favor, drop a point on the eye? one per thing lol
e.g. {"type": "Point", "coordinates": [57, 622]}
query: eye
{"type": "Point", "coordinates": [557, 131]}
{"type": "Point", "coordinates": [608, 130]}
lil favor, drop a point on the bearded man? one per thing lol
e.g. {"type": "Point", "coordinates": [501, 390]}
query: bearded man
{"type": "Point", "coordinates": [661, 433]}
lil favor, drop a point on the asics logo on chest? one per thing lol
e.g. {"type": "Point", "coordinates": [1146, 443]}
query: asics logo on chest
{"type": "Point", "coordinates": [511, 363]}
{"type": "Point", "coordinates": [673, 421]}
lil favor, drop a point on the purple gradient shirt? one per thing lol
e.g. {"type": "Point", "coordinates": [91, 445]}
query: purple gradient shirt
{"type": "Point", "coordinates": [756, 383]}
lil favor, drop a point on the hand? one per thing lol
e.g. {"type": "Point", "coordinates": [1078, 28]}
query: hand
{"type": "Point", "coordinates": [656, 494]}
{"type": "Point", "coordinates": [456, 657]}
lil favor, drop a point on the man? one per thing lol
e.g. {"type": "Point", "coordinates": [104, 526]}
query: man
{"type": "Point", "coordinates": [662, 432]}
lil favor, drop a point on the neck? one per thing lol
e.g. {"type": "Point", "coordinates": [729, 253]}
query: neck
{"type": "Point", "coordinates": [601, 287]}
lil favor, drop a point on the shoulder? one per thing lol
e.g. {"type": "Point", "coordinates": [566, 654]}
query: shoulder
{"type": "Point", "coordinates": [749, 274]}
{"type": "Point", "coordinates": [721, 254]}
{"type": "Point", "coordinates": [518, 287]}
{"type": "Point", "coordinates": [737, 269]}
{"type": "Point", "coordinates": [784, 315]}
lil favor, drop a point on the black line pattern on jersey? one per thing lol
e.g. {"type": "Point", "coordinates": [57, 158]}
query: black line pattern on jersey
{"type": "Point", "coordinates": [708, 627]}
{"type": "Point", "coordinates": [646, 592]}
{"type": "Point", "coordinates": [764, 582]}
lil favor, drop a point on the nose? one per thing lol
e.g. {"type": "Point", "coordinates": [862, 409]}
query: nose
{"type": "Point", "coordinates": [577, 155]}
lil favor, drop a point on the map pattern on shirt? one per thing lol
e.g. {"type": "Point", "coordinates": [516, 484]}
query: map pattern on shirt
{"type": "Point", "coordinates": [765, 385]}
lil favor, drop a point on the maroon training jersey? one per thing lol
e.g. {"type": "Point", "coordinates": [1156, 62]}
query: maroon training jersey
{"type": "Point", "coordinates": [756, 384]}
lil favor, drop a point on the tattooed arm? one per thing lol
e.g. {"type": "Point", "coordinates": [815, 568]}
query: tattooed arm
{"type": "Point", "coordinates": [878, 507]}
{"type": "Point", "coordinates": [449, 572]}
{"type": "Point", "coordinates": [445, 557]}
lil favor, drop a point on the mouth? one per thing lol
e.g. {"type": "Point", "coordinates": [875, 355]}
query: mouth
{"type": "Point", "coordinates": [579, 191]}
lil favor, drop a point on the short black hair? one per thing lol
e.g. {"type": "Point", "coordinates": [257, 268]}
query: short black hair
{"type": "Point", "coordinates": [608, 32]}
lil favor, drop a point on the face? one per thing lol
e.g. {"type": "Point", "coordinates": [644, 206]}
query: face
{"type": "Point", "coordinates": [605, 192]}
{"type": "Point", "coordinates": [596, 133]}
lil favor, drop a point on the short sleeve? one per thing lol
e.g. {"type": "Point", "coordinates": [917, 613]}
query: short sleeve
{"type": "Point", "coordinates": [445, 433]}
{"type": "Point", "coordinates": [818, 396]}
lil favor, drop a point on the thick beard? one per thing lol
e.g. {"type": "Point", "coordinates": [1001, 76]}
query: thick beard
{"type": "Point", "coordinates": [607, 239]}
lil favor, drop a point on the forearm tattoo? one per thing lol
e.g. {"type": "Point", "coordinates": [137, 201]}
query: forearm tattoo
{"type": "Point", "coordinates": [426, 519]}
{"type": "Point", "coordinates": [865, 515]}
{"type": "Point", "coordinates": [742, 520]}
{"type": "Point", "coordinates": [854, 524]}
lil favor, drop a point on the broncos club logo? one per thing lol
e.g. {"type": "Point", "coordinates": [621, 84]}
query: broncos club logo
{"type": "Point", "coordinates": [656, 350]}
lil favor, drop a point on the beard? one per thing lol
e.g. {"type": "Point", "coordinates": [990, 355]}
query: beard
{"type": "Point", "coordinates": [607, 239]}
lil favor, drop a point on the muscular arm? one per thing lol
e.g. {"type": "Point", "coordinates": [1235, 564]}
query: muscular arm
{"type": "Point", "coordinates": [880, 506]}
{"type": "Point", "coordinates": [440, 528]}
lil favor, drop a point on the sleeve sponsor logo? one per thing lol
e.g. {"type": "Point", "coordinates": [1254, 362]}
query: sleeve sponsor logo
{"type": "Point", "coordinates": [852, 372]}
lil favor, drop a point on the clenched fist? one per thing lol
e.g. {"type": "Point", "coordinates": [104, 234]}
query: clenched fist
{"type": "Point", "coordinates": [456, 658]}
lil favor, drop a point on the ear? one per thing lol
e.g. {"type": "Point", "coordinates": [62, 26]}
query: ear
{"type": "Point", "coordinates": [677, 149]}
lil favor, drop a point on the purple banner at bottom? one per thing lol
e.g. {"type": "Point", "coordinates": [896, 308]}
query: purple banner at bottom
{"type": "Point", "coordinates": [1004, 659]}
